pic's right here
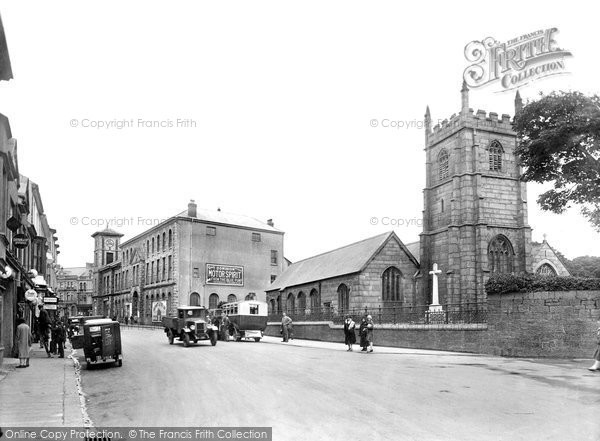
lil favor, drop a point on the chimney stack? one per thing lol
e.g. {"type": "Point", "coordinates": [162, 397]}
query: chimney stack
{"type": "Point", "coordinates": [270, 222]}
{"type": "Point", "coordinates": [192, 208]}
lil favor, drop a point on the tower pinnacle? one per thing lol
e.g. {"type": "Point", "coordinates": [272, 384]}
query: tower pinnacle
{"type": "Point", "coordinates": [518, 103]}
{"type": "Point", "coordinates": [464, 93]}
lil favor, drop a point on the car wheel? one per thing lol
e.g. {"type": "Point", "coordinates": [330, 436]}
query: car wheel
{"type": "Point", "coordinates": [213, 339]}
{"type": "Point", "coordinates": [170, 337]}
{"type": "Point", "coordinates": [186, 340]}
{"type": "Point", "coordinates": [257, 339]}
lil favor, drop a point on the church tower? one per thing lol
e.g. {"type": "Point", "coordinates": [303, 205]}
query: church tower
{"type": "Point", "coordinates": [475, 206]}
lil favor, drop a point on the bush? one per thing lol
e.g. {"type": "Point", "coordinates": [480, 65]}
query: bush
{"type": "Point", "coordinates": [507, 283]}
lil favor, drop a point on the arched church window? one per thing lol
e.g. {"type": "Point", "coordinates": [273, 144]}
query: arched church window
{"type": "Point", "coordinates": [231, 298]}
{"type": "Point", "coordinates": [390, 285]}
{"type": "Point", "coordinates": [301, 302]}
{"type": "Point", "coordinates": [343, 298]}
{"type": "Point", "coordinates": [546, 270]}
{"type": "Point", "coordinates": [443, 158]}
{"type": "Point", "coordinates": [314, 300]}
{"type": "Point", "coordinates": [291, 303]}
{"type": "Point", "coordinates": [501, 255]}
{"type": "Point", "coordinates": [495, 156]}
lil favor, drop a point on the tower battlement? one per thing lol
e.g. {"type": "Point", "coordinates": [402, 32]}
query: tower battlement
{"type": "Point", "coordinates": [467, 117]}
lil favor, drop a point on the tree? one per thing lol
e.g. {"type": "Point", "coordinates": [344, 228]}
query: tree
{"type": "Point", "coordinates": [559, 142]}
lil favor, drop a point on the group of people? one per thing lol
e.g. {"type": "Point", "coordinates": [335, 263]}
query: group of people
{"type": "Point", "coordinates": [52, 337]}
{"type": "Point", "coordinates": [365, 332]}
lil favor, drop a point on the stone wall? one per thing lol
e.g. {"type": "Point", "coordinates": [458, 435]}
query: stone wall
{"type": "Point", "coordinates": [541, 324]}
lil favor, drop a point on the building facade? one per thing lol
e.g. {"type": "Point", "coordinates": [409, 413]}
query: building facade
{"type": "Point", "coordinates": [75, 289]}
{"type": "Point", "coordinates": [197, 257]}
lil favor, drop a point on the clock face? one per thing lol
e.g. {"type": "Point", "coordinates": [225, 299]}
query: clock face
{"type": "Point", "coordinates": [109, 243]}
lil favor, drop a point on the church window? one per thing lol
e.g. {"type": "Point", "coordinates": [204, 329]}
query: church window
{"type": "Point", "coordinates": [390, 285]}
{"type": "Point", "coordinates": [301, 302]}
{"type": "Point", "coordinates": [291, 303]}
{"type": "Point", "coordinates": [443, 164]}
{"type": "Point", "coordinates": [314, 299]}
{"type": "Point", "coordinates": [495, 156]}
{"type": "Point", "coordinates": [343, 298]}
{"type": "Point", "coordinates": [546, 270]}
{"type": "Point", "coordinates": [500, 255]}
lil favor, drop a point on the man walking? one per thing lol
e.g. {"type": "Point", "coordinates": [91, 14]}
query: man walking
{"type": "Point", "coordinates": [286, 324]}
{"type": "Point", "coordinates": [370, 333]}
{"type": "Point", "coordinates": [60, 334]}
{"type": "Point", "coordinates": [44, 328]}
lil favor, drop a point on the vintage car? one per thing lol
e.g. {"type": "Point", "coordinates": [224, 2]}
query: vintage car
{"type": "Point", "coordinates": [190, 325]}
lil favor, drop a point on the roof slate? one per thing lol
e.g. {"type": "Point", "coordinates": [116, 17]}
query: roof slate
{"type": "Point", "coordinates": [345, 260]}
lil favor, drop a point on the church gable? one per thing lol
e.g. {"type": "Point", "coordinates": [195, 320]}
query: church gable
{"type": "Point", "coordinates": [389, 277]}
{"type": "Point", "coordinates": [546, 261]}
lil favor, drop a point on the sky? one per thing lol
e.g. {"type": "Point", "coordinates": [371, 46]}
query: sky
{"type": "Point", "coordinates": [266, 110]}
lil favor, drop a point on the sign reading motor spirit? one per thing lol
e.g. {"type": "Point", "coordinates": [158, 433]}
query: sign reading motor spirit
{"type": "Point", "coordinates": [224, 275]}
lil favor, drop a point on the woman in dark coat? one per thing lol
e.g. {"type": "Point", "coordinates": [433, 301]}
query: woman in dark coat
{"type": "Point", "coordinates": [363, 334]}
{"type": "Point", "coordinates": [350, 336]}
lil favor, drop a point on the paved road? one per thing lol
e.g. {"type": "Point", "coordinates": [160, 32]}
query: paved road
{"type": "Point", "coordinates": [318, 391]}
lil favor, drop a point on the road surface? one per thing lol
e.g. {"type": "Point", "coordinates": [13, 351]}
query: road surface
{"type": "Point", "coordinates": [318, 391]}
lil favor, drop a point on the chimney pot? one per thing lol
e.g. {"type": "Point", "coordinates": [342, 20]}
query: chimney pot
{"type": "Point", "coordinates": [270, 222]}
{"type": "Point", "coordinates": [192, 208]}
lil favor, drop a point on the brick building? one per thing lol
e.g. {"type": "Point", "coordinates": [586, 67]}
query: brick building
{"type": "Point", "coordinates": [198, 257]}
{"type": "Point", "coordinates": [374, 272]}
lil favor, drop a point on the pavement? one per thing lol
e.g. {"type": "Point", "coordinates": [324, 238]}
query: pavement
{"type": "Point", "coordinates": [48, 393]}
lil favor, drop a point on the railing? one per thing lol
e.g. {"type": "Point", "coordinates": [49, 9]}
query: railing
{"type": "Point", "coordinates": [448, 314]}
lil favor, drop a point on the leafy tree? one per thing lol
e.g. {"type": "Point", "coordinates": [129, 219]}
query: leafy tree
{"type": "Point", "coordinates": [559, 142]}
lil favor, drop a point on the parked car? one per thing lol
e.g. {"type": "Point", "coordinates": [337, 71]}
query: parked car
{"type": "Point", "coordinates": [190, 325]}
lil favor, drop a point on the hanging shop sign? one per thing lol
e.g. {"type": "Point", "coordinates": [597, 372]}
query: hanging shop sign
{"type": "Point", "coordinates": [30, 295]}
{"type": "Point", "coordinates": [20, 241]}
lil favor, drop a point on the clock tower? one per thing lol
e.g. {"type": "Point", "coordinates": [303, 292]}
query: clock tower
{"type": "Point", "coordinates": [106, 247]}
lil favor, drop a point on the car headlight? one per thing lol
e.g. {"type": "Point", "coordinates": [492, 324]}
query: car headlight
{"type": "Point", "coordinates": [192, 327]}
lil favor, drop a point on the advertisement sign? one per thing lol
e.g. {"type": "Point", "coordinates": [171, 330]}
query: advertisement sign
{"type": "Point", "coordinates": [50, 300]}
{"type": "Point", "coordinates": [159, 310]}
{"type": "Point", "coordinates": [51, 307]}
{"type": "Point", "coordinates": [224, 275]}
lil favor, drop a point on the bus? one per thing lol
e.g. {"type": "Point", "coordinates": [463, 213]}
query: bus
{"type": "Point", "coordinates": [247, 319]}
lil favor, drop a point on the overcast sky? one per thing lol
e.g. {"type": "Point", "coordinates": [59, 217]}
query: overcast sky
{"type": "Point", "coordinates": [281, 95]}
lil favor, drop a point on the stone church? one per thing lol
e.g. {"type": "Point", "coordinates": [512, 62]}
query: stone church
{"type": "Point", "coordinates": [474, 225]}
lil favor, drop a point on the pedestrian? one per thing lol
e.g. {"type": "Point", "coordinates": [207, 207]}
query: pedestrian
{"type": "Point", "coordinates": [370, 333]}
{"type": "Point", "coordinates": [225, 328]}
{"type": "Point", "coordinates": [44, 329]}
{"type": "Point", "coordinates": [24, 341]}
{"type": "Point", "coordinates": [596, 365]}
{"type": "Point", "coordinates": [60, 339]}
{"type": "Point", "coordinates": [133, 321]}
{"type": "Point", "coordinates": [127, 320]}
{"type": "Point", "coordinates": [362, 330]}
{"type": "Point", "coordinates": [286, 323]}
{"type": "Point", "coordinates": [53, 338]}
{"type": "Point", "coordinates": [349, 335]}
